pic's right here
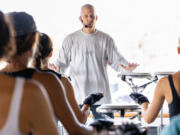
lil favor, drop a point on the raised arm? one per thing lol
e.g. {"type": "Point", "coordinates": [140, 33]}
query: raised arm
{"type": "Point", "coordinates": [63, 61]}
{"type": "Point", "coordinates": [150, 114]}
{"type": "Point", "coordinates": [80, 114]}
{"type": "Point", "coordinates": [61, 105]}
{"type": "Point", "coordinates": [115, 59]}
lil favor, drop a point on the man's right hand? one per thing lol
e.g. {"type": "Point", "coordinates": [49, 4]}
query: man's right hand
{"type": "Point", "coordinates": [93, 98]}
{"type": "Point", "coordinates": [139, 98]}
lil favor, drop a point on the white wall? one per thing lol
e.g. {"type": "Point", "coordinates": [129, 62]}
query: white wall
{"type": "Point", "coordinates": [145, 31]}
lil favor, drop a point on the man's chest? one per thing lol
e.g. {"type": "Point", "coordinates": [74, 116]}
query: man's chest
{"type": "Point", "coordinates": [89, 46]}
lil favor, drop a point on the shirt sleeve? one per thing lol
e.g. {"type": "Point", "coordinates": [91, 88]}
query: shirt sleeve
{"type": "Point", "coordinates": [114, 58]}
{"type": "Point", "coordinates": [64, 55]}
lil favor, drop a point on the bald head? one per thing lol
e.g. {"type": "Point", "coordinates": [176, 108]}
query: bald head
{"type": "Point", "coordinates": [87, 6]}
{"type": "Point", "coordinates": [88, 18]}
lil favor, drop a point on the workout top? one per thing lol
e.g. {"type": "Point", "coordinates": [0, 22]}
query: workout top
{"type": "Point", "coordinates": [51, 71]}
{"type": "Point", "coordinates": [28, 73]}
{"type": "Point", "coordinates": [174, 108]}
{"type": "Point", "coordinates": [11, 126]}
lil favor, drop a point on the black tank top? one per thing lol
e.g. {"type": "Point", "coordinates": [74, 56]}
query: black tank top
{"type": "Point", "coordinates": [26, 73]}
{"type": "Point", "coordinates": [174, 107]}
{"type": "Point", "coordinates": [51, 71]}
{"type": "Point", "coordinates": [56, 73]}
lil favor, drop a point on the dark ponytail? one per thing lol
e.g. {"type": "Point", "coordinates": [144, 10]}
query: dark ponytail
{"type": "Point", "coordinates": [38, 62]}
{"type": "Point", "coordinates": [44, 50]}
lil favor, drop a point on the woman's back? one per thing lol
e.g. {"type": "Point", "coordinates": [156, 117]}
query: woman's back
{"type": "Point", "coordinates": [56, 93]}
{"type": "Point", "coordinates": [19, 113]}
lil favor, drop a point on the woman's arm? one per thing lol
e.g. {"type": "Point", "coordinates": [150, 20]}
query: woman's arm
{"type": "Point", "coordinates": [80, 114]}
{"type": "Point", "coordinates": [60, 104]}
{"type": "Point", "coordinates": [150, 113]}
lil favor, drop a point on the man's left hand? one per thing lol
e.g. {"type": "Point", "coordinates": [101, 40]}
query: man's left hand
{"type": "Point", "coordinates": [130, 66]}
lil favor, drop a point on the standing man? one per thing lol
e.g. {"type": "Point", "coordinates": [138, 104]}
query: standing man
{"type": "Point", "coordinates": [87, 52]}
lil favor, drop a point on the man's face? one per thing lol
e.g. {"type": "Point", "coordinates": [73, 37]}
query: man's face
{"type": "Point", "coordinates": [88, 17]}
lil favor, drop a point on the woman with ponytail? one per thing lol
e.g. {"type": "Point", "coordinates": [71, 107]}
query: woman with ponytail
{"type": "Point", "coordinates": [18, 112]}
{"type": "Point", "coordinates": [26, 38]}
{"type": "Point", "coordinates": [43, 55]}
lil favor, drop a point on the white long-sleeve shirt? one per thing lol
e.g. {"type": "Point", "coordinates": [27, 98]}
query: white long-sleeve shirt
{"type": "Point", "coordinates": [87, 55]}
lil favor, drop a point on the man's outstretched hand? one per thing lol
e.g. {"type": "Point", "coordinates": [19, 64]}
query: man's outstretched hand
{"type": "Point", "coordinates": [130, 66]}
{"type": "Point", "coordinates": [93, 98]}
{"type": "Point", "coordinates": [139, 98]}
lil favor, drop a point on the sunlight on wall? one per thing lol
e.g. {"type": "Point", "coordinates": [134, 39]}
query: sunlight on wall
{"type": "Point", "coordinates": [145, 31]}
